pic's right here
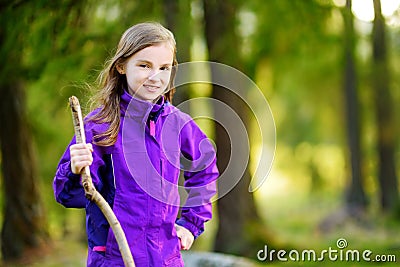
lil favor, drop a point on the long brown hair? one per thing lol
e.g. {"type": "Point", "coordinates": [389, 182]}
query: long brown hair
{"type": "Point", "coordinates": [112, 83]}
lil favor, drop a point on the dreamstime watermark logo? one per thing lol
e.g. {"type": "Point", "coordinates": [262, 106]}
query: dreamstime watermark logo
{"type": "Point", "coordinates": [225, 114]}
{"type": "Point", "coordinates": [340, 253]}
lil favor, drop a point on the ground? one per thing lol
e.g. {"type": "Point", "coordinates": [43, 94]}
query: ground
{"type": "Point", "coordinates": [295, 222]}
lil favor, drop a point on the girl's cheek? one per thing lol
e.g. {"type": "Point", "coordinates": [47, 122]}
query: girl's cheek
{"type": "Point", "coordinates": [166, 80]}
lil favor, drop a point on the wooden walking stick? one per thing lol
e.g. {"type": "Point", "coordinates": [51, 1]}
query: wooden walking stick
{"type": "Point", "coordinates": [90, 191]}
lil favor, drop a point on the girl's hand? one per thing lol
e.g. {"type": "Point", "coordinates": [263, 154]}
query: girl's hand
{"type": "Point", "coordinates": [186, 238]}
{"type": "Point", "coordinates": [81, 156]}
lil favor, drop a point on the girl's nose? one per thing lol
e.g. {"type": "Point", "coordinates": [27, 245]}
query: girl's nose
{"type": "Point", "coordinates": [154, 75]}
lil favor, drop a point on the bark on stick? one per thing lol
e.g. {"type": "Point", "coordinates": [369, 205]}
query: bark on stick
{"type": "Point", "coordinates": [92, 194]}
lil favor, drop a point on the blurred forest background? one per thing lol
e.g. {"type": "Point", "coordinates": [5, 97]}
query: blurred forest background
{"type": "Point", "coordinates": [330, 70]}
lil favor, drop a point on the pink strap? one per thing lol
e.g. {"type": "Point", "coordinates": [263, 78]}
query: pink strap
{"type": "Point", "coordinates": [99, 248]}
{"type": "Point", "coordinates": [152, 128]}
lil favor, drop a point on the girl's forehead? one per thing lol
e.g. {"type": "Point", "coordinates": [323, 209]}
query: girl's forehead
{"type": "Point", "coordinates": [159, 52]}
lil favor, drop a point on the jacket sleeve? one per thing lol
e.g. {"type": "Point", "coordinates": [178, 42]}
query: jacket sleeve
{"type": "Point", "coordinates": [68, 190]}
{"type": "Point", "coordinates": [201, 173]}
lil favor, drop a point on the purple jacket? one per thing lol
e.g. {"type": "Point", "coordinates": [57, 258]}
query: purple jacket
{"type": "Point", "coordinates": [138, 176]}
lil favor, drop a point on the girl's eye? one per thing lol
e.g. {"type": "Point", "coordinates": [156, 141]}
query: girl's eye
{"type": "Point", "coordinates": [144, 66]}
{"type": "Point", "coordinates": [165, 68]}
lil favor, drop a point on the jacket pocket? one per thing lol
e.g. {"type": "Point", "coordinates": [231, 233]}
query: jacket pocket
{"type": "Point", "coordinates": [94, 259]}
{"type": "Point", "coordinates": [97, 225]}
{"type": "Point", "coordinates": [174, 260]}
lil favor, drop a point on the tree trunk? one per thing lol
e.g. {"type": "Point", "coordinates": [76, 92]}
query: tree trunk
{"type": "Point", "coordinates": [355, 198]}
{"type": "Point", "coordinates": [181, 26]}
{"type": "Point", "coordinates": [24, 224]}
{"type": "Point", "coordinates": [239, 226]}
{"type": "Point", "coordinates": [386, 130]}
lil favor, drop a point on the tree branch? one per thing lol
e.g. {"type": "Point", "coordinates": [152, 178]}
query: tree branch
{"type": "Point", "coordinates": [92, 194]}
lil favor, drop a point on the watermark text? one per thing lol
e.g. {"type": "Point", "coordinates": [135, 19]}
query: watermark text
{"type": "Point", "coordinates": [339, 253]}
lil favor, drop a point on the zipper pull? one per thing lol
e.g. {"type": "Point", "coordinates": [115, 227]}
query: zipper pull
{"type": "Point", "coordinates": [152, 126]}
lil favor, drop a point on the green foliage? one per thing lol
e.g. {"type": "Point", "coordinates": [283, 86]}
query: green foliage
{"type": "Point", "coordinates": [305, 63]}
{"type": "Point", "coordinates": [64, 52]}
{"type": "Point", "coordinates": [293, 52]}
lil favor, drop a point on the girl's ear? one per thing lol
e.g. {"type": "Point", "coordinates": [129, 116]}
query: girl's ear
{"type": "Point", "coordinates": [120, 68]}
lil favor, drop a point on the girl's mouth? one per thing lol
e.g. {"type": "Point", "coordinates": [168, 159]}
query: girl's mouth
{"type": "Point", "coordinates": [151, 88]}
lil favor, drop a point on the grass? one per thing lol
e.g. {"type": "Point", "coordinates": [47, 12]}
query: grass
{"type": "Point", "coordinates": [294, 220]}
{"type": "Point", "coordinates": [67, 253]}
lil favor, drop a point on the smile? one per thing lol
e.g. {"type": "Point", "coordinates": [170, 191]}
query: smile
{"type": "Point", "coordinates": [151, 88]}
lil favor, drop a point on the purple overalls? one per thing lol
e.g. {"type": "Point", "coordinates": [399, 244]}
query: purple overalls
{"type": "Point", "coordinates": [138, 176]}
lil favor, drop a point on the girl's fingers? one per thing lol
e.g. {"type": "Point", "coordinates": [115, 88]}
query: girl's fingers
{"type": "Point", "coordinates": [185, 236]}
{"type": "Point", "coordinates": [186, 242]}
{"type": "Point", "coordinates": [81, 156]}
{"type": "Point", "coordinates": [81, 148]}
{"type": "Point", "coordinates": [89, 146]}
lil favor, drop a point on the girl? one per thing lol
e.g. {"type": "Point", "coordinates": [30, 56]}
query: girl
{"type": "Point", "coordinates": [137, 144]}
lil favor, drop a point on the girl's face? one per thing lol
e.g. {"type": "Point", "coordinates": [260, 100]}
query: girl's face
{"type": "Point", "coordinates": [148, 72]}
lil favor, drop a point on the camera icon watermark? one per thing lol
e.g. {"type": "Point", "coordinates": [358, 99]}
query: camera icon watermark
{"type": "Point", "coordinates": [339, 253]}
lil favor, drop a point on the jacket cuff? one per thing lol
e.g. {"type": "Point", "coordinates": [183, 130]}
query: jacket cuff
{"type": "Point", "coordinates": [76, 178]}
{"type": "Point", "coordinates": [73, 177]}
{"type": "Point", "coordinates": [196, 231]}
{"type": "Point", "coordinates": [66, 171]}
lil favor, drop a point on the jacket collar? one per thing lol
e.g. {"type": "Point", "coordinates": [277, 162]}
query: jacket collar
{"type": "Point", "coordinates": [138, 109]}
{"type": "Point", "coordinates": [157, 106]}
